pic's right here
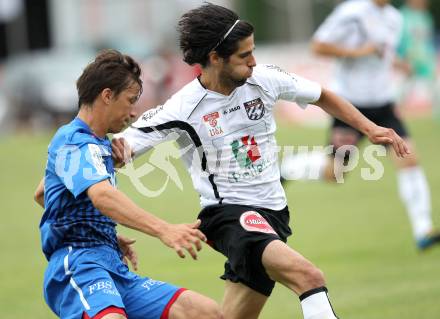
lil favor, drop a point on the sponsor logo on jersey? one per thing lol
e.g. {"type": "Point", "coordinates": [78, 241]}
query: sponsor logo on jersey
{"type": "Point", "coordinates": [245, 151]}
{"type": "Point", "coordinates": [253, 221]}
{"type": "Point", "coordinates": [231, 110]}
{"type": "Point", "coordinates": [105, 287]}
{"type": "Point", "coordinates": [254, 109]}
{"type": "Point", "coordinates": [151, 283]}
{"type": "Point", "coordinates": [212, 122]}
{"type": "Point", "coordinates": [250, 172]}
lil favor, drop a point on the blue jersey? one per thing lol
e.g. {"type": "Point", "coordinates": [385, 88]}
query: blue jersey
{"type": "Point", "coordinates": [77, 159]}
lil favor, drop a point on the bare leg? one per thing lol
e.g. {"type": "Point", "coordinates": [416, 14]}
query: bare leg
{"type": "Point", "coordinates": [114, 316]}
{"type": "Point", "coordinates": [334, 166]}
{"type": "Point", "coordinates": [191, 304]}
{"type": "Point", "coordinates": [241, 301]}
{"type": "Point", "coordinates": [415, 194]}
{"type": "Point", "coordinates": [410, 160]}
{"type": "Point", "coordinates": [285, 265]}
{"type": "Point", "coordinates": [292, 270]}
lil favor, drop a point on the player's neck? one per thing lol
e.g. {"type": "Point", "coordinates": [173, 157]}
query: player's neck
{"type": "Point", "coordinates": [211, 80]}
{"type": "Point", "coordinates": [95, 121]}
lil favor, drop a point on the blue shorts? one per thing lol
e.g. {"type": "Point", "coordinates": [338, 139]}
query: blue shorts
{"type": "Point", "coordinates": [89, 280]}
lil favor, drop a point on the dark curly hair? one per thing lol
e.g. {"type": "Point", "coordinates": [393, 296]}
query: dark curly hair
{"type": "Point", "coordinates": [202, 29]}
{"type": "Point", "coordinates": [110, 69]}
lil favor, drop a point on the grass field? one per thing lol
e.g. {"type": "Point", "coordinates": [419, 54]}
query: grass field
{"type": "Point", "coordinates": [357, 233]}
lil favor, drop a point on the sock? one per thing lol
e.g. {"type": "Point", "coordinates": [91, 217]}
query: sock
{"type": "Point", "coordinates": [414, 192]}
{"type": "Point", "coordinates": [316, 305]}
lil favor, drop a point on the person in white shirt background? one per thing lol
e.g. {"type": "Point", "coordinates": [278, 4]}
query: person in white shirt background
{"type": "Point", "coordinates": [363, 36]}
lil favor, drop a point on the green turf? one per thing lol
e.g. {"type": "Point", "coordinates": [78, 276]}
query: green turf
{"type": "Point", "coordinates": [357, 233]}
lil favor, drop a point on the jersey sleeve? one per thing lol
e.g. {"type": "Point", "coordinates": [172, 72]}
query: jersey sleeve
{"type": "Point", "coordinates": [290, 87]}
{"type": "Point", "coordinates": [81, 166]}
{"type": "Point", "coordinates": [153, 127]}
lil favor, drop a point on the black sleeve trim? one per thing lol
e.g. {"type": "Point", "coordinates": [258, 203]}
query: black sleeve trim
{"type": "Point", "coordinates": [184, 126]}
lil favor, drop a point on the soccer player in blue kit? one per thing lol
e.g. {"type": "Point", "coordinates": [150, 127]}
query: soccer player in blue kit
{"type": "Point", "coordinates": [86, 276]}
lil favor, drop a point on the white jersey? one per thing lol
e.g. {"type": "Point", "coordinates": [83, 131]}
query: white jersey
{"type": "Point", "coordinates": [233, 153]}
{"type": "Point", "coordinates": [365, 81]}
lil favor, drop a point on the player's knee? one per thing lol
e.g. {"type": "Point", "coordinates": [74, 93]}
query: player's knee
{"type": "Point", "coordinates": [328, 173]}
{"type": "Point", "coordinates": [193, 305]}
{"type": "Point", "coordinates": [114, 316]}
{"type": "Point", "coordinates": [207, 310]}
{"type": "Point", "coordinates": [314, 277]}
{"type": "Point", "coordinates": [210, 310]}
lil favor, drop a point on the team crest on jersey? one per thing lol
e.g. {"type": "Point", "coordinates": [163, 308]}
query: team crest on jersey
{"type": "Point", "coordinates": [253, 221]}
{"type": "Point", "coordinates": [212, 122]}
{"type": "Point", "coordinates": [254, 109]}
{"type": "Point", "coordinates": [246, 151]}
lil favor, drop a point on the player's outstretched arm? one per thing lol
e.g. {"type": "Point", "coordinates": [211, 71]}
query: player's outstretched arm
{"type": "Point", "coordinates": [116, 205]}
{"type": "Point", "coordinates": [39, 193]}
{"type": "Point", "coordinates": [346, 112]}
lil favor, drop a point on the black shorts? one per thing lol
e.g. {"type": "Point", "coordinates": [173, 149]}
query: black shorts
{"type": "Point", "coordinates": [241, 233]}
{"type": "Point", "coordinates": [384, 116]}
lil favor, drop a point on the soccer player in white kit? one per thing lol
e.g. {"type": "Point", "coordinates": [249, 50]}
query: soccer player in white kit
{"type": "Point", "coordinates": [363, 35]}
{"type": "Point", "coordinates": [226, 117]}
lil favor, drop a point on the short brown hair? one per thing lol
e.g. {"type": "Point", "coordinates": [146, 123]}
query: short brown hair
{"type": "Point", "coordinates": [110, 69]}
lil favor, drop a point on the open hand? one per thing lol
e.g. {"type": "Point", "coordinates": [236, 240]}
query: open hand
{"type": "Point", "coordinates": [128, 252]}
{"type": "Point", "coordinates": [183, 237]}
{"type": "Point", "coordinates": [383, 135]}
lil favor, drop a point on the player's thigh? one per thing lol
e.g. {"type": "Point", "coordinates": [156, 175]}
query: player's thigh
{"type": "Point", "coordinates": [285, 265]}
{"type": "Point", "coordinates": [342, 134]}
{"type": "Point", "coordinates": [113, 316]}
{"type": "Point", "coordinates": [146, 298]}
{"type": "Point", "coordinates": [240, 301]}
{"type": "Point", "coordinates": [190, 304]}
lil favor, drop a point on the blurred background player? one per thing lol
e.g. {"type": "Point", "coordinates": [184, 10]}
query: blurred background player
{"type": "Point", "coordinates": [417, 50]}
{"type": "Point", "coordinates": [363, 36]}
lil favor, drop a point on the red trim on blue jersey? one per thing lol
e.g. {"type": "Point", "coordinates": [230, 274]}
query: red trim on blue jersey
{"type": "Point", "coordinates": [166, 311]}
{"type": "Point", "coordinates": [106, 311]}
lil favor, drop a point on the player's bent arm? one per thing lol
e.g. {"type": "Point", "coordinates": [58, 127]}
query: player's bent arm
{"type": "Point", "coordinates": [333, 50]}
{"type": "Point", "coordinates": [39, 193]}
{"type": "Point", "coordinates": [116, 205]}
{"type": "Point", "coordinates": [343, 110]}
